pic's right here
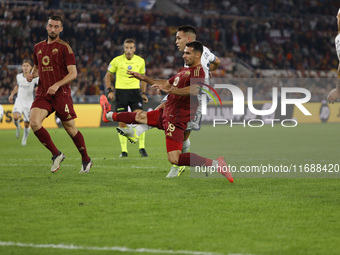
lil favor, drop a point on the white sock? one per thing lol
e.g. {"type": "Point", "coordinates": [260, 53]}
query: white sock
{"type": "Point", "coordinates": [141, 128]}
{"type": "Point", "coordinates": [186, 146]}
{"type": "Point", "coordinates": [24, 137]}
{"type": "Point", "coordinates": [16, 122]}
{"type": "Point", "coordinates": [26, 132]}
{"type": "Point", "coordinates": [109, 116]}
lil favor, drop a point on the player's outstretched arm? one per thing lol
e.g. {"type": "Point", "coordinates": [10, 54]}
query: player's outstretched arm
{"type": "Point", "coordinates": [192, 90]}
{"type": "Point", "coordinates": [162, 86]}
{"type": "Point", "coordinates": [145, 78]}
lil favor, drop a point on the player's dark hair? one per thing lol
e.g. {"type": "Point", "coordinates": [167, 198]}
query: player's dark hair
{"type": "Point", "coordinates": [130, 40]}
{"type": "Point", "coordinates": [57, 18]}
{"type": "Point", "coordinates": [28, 61]}
{"type": "Point", "coordinates": [197, 45]}
{"type": "Point", "coordinates": [187, 29]}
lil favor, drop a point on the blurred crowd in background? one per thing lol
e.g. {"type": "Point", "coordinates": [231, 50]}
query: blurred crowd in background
{"type": "Point", "coordinates": [259, 35]}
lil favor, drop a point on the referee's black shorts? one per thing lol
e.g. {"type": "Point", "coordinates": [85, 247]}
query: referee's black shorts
{"type": "Point", "coordinates": [128, 97]}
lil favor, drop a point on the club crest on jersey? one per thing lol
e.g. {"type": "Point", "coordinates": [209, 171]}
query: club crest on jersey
{"type": "Point", "coordinates": [54, 51]}
{"type": "Point", "coordinates": [129, 67]}
{"type": "Point", "coordinates": [45, 60]}
{"type": "Point", "coordinates": [176, 81]}
{"type": "Point", "coordinates": [187, 73]}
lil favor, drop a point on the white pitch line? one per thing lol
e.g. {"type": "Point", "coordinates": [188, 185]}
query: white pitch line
{"type": "Point", "coordinates": [114, 248]}
{"type": "Point", "coordinates": [142, 167]}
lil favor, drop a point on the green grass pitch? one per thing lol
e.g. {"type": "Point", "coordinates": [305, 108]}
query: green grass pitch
{"type": "Point", "coordinates": [128, 202]}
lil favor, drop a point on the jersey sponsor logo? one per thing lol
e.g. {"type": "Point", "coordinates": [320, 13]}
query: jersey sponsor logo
{"type": "Point", "coordinates": [54, 51]}
{"type": "Point", "coordinates": [45, 60]}
{"type": "Point", "coordinates": [176, 81]}
{"type": "Point", "coordinates": [39, 52]}
{"type": "Point", "coordinates": [129, 67]}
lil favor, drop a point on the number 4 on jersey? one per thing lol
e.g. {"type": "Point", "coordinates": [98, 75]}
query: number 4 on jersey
{"type": "Point", "coordinates": [66, 108]}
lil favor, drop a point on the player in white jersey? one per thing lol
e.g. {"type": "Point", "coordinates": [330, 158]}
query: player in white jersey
{"type": "Point", "coordinates": [209, 63]}
{"type": "Point", "coordinates": [24, 99]}
{"type": "Point", "coordinates": [335, 93]}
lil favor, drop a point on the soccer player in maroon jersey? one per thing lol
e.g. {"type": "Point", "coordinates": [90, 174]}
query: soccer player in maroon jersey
{"type": "Point", "coordinates": [55, 64]}
{"type": "Point", "coordinates": [179, 109]}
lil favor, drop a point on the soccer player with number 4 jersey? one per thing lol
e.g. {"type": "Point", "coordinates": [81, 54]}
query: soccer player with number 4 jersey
{"type": "Point", "coordinates": [55, 65]}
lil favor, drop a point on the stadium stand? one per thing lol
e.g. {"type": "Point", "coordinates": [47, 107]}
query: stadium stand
{"type": "Point", "coordinates": [251, 37]}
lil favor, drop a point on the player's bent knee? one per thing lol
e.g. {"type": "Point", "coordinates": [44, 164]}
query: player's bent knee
{"type": "Point", "coordinates": [173, 158]}
{"type": "Point", "coordinates": [16, 116]}
{"type": "Point", "coordinates": [70, 128]}
{"type": "Point", "coordinates": [35, 124]}
{"type": "Point", "coordinates": [140, 116]}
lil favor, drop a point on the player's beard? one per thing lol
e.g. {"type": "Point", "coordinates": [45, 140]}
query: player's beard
{"type": "Point", "coordinates": [188, 62]}
{"type": "Point", "coordinates": [52, 37]}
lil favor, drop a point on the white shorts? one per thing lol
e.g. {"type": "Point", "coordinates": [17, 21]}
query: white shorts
{"type": "Point", "coordinates": [194, 124]}
{"type": "Point", "coordinates": [22, 109]}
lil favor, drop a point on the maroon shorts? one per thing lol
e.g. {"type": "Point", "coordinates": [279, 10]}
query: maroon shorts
{"type": "Point", "coordinates": [174, 134]}
{"type": "Point", "coordinates": [63, 106]}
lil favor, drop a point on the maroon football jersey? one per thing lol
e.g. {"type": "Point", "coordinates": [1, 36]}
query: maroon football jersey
{"type": "Point", "coordinates": [52, 61]}
{"type": "Point", "coordinates": [181, 109]}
